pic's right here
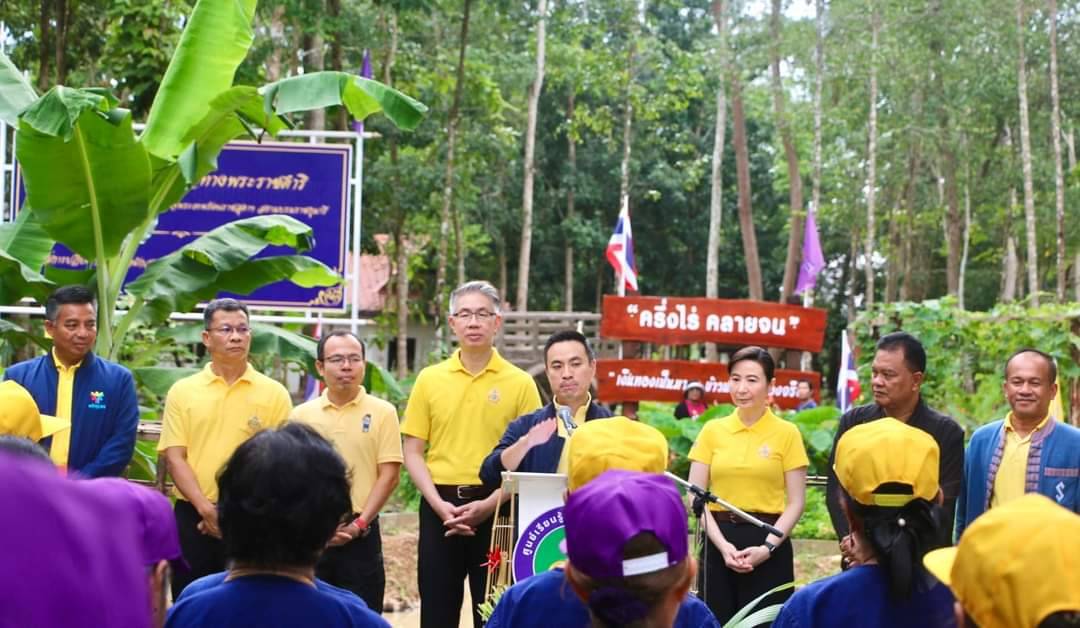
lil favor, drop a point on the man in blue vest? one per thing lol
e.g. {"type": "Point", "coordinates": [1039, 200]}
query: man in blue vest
{"type": "Point", "coordinates": [71, 383]}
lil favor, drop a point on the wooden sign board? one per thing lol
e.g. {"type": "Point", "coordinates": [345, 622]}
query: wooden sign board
{"type": "Point", "coordinates": [678, 320]}
{"type": "Point", "coordinates": [649, 380]}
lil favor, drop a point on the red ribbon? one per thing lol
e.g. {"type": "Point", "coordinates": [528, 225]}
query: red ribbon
{"type": "Point", "coordinates": [494, 559]}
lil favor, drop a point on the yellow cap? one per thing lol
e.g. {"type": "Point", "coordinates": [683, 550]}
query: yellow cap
{"type": "Point", "coordinates": [887, 451]}
{"type": "Point", "coordinates": [19, 414]}
{"type": "Point", "coordinates": [615, 443]}
{"type": "Point", "coordinates": [1015, 565]}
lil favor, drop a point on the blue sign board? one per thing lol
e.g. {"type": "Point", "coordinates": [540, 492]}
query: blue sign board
{"type": "Point", "coordinates": [309, 182]}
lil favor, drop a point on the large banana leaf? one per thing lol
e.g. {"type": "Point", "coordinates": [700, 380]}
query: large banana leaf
{"type": "Point", "coordinates": [222, 261]}
{"type": "Point", "coordinates": [160, 379]}
{"type": "Point", "coordinates": [16, 335]}
{"type": "Point", "coordinates": [15, 92]}
{"type": "Point", "coordinates": [361, 96]}
{"type": "Point", "coordinates": [24, 247]}
{"type": "Point", "coordinates": [214, 43]}
{"type": "Point", "coordinates": [91, 190]}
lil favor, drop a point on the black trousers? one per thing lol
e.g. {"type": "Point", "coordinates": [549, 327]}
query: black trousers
{"type": "Point", "coordinates": [725, 592]}
{"type": "Point", "coordinates": [358, 567]}
{"type": "Point", "coordinates": [443, 563]}
{"type": "Point", "coordinates": [203, 553]}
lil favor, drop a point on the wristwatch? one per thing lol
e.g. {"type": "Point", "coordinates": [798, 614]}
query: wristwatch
{"type": "Point", "coordinates": [769, 546]}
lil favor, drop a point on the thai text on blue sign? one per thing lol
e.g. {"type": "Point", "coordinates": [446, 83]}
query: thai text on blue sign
{"type": "Point", "coordinates": [309, 182]}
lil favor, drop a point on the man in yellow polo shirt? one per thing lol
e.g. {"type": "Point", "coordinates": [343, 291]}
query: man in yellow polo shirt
{"type": "Point", "coordinates": [457, 411]}
{"type": "Point", "coordinates": [365, 431]}
{"type": "Point", "coordinates": [1030, 451]}
{"type": "Point", "coordinates": [207, 416]}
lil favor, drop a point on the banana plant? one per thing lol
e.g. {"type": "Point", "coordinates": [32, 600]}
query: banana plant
{"type": "Point", "coordinates": [95, 186]}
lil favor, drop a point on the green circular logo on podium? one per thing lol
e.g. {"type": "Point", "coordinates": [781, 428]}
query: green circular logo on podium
{"type": "Point", "coordinates": [541, 545]}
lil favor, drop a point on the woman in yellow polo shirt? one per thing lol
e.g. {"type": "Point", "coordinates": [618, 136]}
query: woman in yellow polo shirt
{"type": "Point", "coordinates": [757, 462]}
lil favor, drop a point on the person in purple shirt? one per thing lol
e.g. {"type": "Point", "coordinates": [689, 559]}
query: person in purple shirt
{"type": "Point", "coordinates": [67, 552]}
{"type": "Point", "coordinates": [888, 474]}
{"type": "Point", "coordinates": [282, 495]}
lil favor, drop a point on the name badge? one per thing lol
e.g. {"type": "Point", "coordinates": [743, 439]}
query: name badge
{"type": "Point", "coordinates": [366, 422]}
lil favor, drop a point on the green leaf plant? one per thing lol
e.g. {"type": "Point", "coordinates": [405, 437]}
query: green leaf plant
{"type": "Point", "coordinates": [95, 186]}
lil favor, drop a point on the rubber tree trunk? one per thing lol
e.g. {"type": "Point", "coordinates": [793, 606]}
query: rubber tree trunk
{"type": "Point", "coordinates": [448, 179]}
{"type": "Point", "coordinates": [1025, 160]}
{"type": "Point", "coordinates": [530, 162]}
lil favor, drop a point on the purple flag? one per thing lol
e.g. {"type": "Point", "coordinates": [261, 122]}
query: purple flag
{"type": "Point", "coordinates": [365, 71]}
{"type": "Point", "coordinates": [812, 259]}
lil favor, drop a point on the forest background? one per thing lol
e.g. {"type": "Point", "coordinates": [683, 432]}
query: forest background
{"type": "Point", "coordinates": [935, 140]}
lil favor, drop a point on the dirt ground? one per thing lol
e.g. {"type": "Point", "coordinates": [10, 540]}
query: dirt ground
{"type": "Point", "coordinates": [813, 560]}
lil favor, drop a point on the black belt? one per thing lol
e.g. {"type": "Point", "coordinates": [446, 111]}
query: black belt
{"type": "Point", "coordinates": [464, 492]}
{"type": "Point", "coordinates": [726, 516]}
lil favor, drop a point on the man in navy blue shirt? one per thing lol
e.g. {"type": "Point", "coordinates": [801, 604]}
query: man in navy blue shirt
{"type": "Point", "coordinates": [282, 495]}
{"type": "Point", "coordinates": [536, 443]}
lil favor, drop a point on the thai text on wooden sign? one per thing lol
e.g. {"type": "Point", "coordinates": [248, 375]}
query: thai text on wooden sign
{"type": "Point", "coordinates": [650, 380]}
{"type": "Point", "coordinates": [678, 320]}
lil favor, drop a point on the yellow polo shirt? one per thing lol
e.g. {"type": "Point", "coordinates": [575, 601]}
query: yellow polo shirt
{"type": "Point", "coordinates": [462, 416]}
{"type": "Point", "coordinates": [65, 388]}
{"type": "Point", "coordinates": [365, 432]}
{"type": "Point", "coordinates": [1010, 481]}
{"type": "Point", "coordinates": [747, 464]}
{"type": "Point", "coordinates": [212, 418]}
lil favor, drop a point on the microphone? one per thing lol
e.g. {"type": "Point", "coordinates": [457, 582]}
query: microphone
{"type": "Point", "coordinates": [564, 415]}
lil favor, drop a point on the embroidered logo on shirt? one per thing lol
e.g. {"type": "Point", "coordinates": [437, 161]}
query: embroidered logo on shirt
{"type": "Point", "coordinates": [366, 421]}
{"type": "Point", "coordinates": [97, 400]}
{"type": "Point", "coordinates": [493, 396]}
{"type": "Point", "coordinates": [1060, 491]}
{"type": "Point", "coordinates": [254, 423]}
{"type": "Point", "coordinates": [764, 451]}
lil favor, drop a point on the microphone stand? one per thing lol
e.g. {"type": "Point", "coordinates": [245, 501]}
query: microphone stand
{"type": "Point", "coordinates": [704, 494]}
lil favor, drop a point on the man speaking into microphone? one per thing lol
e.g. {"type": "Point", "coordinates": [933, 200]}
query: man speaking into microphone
{"type": "Point", "coordinates": [535, 443]}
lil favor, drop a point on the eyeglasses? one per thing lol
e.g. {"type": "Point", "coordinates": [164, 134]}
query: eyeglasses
{"type": "Point", "coordinates": [228, 330]}
{"type": "Point", "coordinates": [338, 360]}
{"type": "Point", "coordinates": [482, 316]}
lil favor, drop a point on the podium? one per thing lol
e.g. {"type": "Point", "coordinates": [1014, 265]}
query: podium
{"type": "Point", "coordinates": [533, 520]}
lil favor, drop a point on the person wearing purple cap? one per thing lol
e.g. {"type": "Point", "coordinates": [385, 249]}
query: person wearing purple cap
{"type": "Point", "coordinates": [626, 541]}
{"type": "Point", "coordinates": [67, 552]}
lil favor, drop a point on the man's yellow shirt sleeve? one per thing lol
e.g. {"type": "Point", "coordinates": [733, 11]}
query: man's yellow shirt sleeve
{"type": "Point", "coordinates": [529, 399]}
{"type": "Point", "coordinates": [173, 428]}
{"type": "Point", "coordinates": [389, 439]}
{"type": "Point", "coordinates": [417, 414]}
{"type": "Point", "coordinates": [282, 408]}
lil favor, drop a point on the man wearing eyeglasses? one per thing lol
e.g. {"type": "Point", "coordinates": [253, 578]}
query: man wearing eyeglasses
{"type": "Point", "coordinates": [364, 430]}
{"type": "Point", "coordinates": [458, 410]}
{"type": "Point", "coordinates": [207, 416]}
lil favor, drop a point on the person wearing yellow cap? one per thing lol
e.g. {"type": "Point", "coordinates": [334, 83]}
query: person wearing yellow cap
{"type": "Point", "coordinates": [757, 462]}
{"type": "Point", "coordinates": [19, 415]}
{"type": "Point", "coordinates": [1017, 566]}
{"type": "Point", "coordinates": [95, 396]}
{"type": "Point", "coordinates": [598, 448]}
{"type": "Point", "coordinates": [888, 475]}
{"type": "Point", "coordinates": [1030, 451]}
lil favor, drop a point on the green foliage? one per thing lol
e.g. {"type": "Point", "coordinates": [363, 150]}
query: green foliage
{"type": "Point", "coordinates": [815, 522]}
{"type": "Point", "coordinates": [680, 434]}
{"type": "Point", "coordinates": [748, 617]}
{"type": "Point", "coordinates": [818, 428]}
{"type": "Point", "coordinates": [966, 351]}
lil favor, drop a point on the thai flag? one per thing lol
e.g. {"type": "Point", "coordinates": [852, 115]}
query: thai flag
{"type": "Point", "coordinates": [847, 384]}
{"type": "Point", "coordinates": [314, 386]}
{"type": "Point", "coordinates": [620, 250]}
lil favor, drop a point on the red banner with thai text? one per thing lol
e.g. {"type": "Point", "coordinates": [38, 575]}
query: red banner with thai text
{"type": "Point", "coordinates": [679, 320]}
{"type": "Point", "coordinates": [651, 380]}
